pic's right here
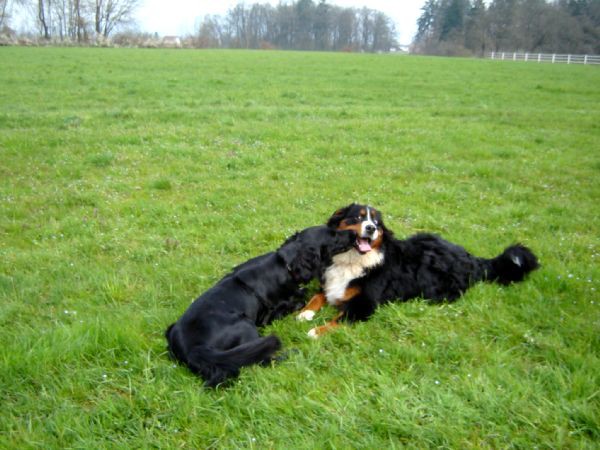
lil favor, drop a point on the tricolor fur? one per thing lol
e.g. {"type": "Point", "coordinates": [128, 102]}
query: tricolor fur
{"type": "Point", "coordinates": [345, 268]}
{"type": "Point", "coordinates": [381, 268]}
{"type": "Point", "coordinates": [366, 254]}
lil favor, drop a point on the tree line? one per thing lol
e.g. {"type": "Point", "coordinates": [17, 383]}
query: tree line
{"type": "Point", "coordinates": [299, 25]}
{"type": "Point", "coordinates": [70, 20]}
{"type": "Point", "coordinates": [445, 27]}
{"type": "Point", "coordinates": [475, 27]}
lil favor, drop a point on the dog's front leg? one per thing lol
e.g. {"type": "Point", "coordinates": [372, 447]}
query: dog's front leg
{"type": "Point", "coordinates": [318, 301]}
{"type": "Point", "coordinates": [349, 294]}
{"type": "Point", "coordinates": [315, 304]}
{"type": "Point", "coordinates": [319, 331]}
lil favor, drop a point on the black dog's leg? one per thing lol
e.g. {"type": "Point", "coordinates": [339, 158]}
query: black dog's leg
{"type": "Point", "coordinates": [359, 308]}
{"type": "Point", "coordinates": [281, 310]}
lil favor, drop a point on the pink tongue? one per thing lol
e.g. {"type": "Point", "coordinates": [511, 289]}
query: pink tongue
{"type": "Point", "coordinates": [363, 245]}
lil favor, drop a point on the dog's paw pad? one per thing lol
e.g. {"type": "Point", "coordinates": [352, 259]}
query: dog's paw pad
{"type": "Point", "coordinates": [312, 333]}
{"type": "Point", "coordinates": [306, 315]}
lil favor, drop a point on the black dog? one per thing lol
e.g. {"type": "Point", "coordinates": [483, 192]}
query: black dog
{"type": "Point", "coordinates": [381, 268]}
{"type": "Point", "coordinates": [218, 334]}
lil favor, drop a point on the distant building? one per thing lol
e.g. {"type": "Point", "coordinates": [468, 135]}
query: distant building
{"type": "Point", "coordinates": [171, 41]}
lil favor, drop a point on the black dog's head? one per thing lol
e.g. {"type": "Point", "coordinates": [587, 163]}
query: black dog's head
{"type": "Point", "coordinates": [366, 221]}
{"type": "Point", "coordinates": [307, 252]}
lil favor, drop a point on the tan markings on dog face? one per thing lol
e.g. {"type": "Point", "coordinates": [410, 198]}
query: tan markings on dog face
{"type": "Point", "coordinates": [363, 212]}
{"type": "Point", "coordinates": [377, 242]}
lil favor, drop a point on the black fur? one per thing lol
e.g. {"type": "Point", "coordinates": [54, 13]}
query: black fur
{"type": "Point", "coordinates": [427, 266]}
{"type": "Point", "coordinates": [218, 334]}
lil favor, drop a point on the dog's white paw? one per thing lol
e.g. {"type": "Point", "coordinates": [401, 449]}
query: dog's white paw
{"type": "Point", "coordinates": [306, 315]}
{"type": "Point", "coordinates": [312, 333]}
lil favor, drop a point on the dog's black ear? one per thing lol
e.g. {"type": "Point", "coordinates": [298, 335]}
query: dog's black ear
{"type": "Point", "coordinates": [289, 250]}
{"type": "Point", "coordinates": [306, 266]}
{"type": "Point", "coordinates": [302, 261]}
{"type": "Point", "coordinates": [339, 242]}
{"type": "Point", "coordinates": [336, 218]}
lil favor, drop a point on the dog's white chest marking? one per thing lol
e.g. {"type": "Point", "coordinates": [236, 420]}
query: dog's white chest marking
{"type": "Point", "coordinates": [345, 268]}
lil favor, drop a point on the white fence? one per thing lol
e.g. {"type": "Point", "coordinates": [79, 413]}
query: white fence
{"type": "Point", "coordinates": [546, 57]}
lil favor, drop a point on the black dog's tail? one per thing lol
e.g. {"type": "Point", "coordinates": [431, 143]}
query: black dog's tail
{"type": "Point", "coordinates": [511, 265]}
{"type": "Point", "coordinates": [216, 366]}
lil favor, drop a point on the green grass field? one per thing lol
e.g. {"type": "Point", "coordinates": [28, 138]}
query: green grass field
{"type": "Point", "coordinates": [132, 180]}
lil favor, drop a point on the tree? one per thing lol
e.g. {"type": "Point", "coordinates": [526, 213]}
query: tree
{"type": "Point", "coordinates": [4, 13]}
{"type": "Point", "coordinates": [383, 32]}
{"type": "Point", "coordinates": [442, 27]}
{"type": "Point", "coordinates": [425, 22]}
{"type": "Point", "coordinates": [109, 14]}
{"type": "Point", "coordinates": [80, 22]}
{"type": "Point", "coordinates": [297, 24]}
{"type": "Point", "coordinates": [453, 18]}
{"type": "Point", "coordinates": [68, 21]}
{"type": "Point", "coordinates": [366, 29]}
{"type": "Point", "coordinates": [529, 25]}
{"type": "Point", "coordinates": [587, 15]}
{"type": "Point", "coordinates": [502, 16]}
{"type": "Point", "coordinates": [304, 37]}
{"type": "Point", "coordinates": [6, 7]}
{"type": "Point", "coordinates": [260, 24]}
{"type": "Point", "coordinates": [447, 26]}
{"type": "Point", "coordinates": [77, 19]}
{"type": "Point", "coordinates": [322, 26]}
{"type": "Point", "coordinates": [209, 33]}
{"type": "Point", "coordinates": [44, 17]}
{"type": "Point", "coordinates": [476, 38]}
{"type": "Point", "coordinates": [344, 29]}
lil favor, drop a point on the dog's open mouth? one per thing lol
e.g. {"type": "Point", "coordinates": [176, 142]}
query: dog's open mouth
{"type": "Point", "coordinates": [363, 245]}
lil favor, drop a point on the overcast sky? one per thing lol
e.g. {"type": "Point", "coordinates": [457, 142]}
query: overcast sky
{"type": "Point", "coordinates": [177, 17]}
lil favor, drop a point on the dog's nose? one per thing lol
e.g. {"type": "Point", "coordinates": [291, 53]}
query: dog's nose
{"type": "Point", "coordinates": [370, 229]}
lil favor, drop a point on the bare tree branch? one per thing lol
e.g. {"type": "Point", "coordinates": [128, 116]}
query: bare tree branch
{"type": "Point", "coordinates": [109, 14]}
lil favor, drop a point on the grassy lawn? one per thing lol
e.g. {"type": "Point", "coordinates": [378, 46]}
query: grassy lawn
{"type": "Point", "coordinates": [132, 180]}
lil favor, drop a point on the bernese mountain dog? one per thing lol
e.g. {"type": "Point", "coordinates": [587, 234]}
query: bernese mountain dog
{"type": "Point", "coordinates": [217, 335]}
{"type": "Point", "coordinates": [380, 268]}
